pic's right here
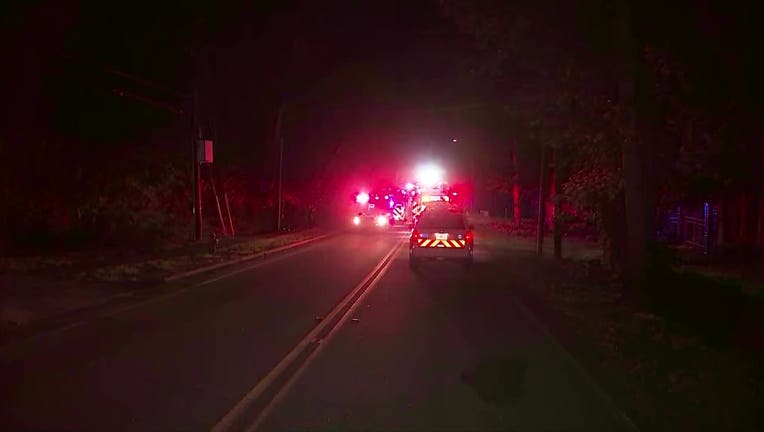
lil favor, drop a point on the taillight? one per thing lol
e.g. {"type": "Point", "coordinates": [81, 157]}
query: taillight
{"type": "Point", "coordinates": [469, 235]}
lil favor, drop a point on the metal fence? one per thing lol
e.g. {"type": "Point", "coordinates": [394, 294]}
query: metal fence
{"type": "Point", "coordinates": [692, 226]}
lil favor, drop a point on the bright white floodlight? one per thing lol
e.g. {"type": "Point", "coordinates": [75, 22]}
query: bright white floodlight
{"type": "Point", "coordinates": [362, 198]}
{"type": "Point", "coordinates": [430, 175]}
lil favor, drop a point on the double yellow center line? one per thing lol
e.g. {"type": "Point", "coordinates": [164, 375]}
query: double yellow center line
{"type": "Point", "coordinates": [281, 378]}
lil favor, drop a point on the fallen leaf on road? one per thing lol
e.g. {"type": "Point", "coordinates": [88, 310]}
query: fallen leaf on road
{"type": "Point", "coordinates": [679, 342]}
{"type": "Point", "coordinates": [637, 367]}
{"type": "Point", "coordinates": [645, 316]}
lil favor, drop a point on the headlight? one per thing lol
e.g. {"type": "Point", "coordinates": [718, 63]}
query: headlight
{"type": "Point", "coordinates": [356, 220]}
{"type": "Point", "coordinates": [382, 220]}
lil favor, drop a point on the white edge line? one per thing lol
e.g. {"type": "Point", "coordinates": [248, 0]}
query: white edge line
{"type": "Point", "coordinates": [190, 273]}
{"type": "Point", "coordinates": [52, 332]}
{"type": "Point", "coordinates": [252, 266]}
{"type": "Point", "coordinates": [179, 291]}
{"type": "Point", "coordinates": [285, 389]}
{"type": "Point", "coordinates": [235, 413]}
{"type": "Point", "coordinates": [619, 414]}
{"type": "Point", "coordinates": [150, 301]}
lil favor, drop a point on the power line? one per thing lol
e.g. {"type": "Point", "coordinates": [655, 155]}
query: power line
{"type": "Point", "coordinates": [112, 70]}
{"type": "Point", "coordinates": [142, 81]}
{"type": "Point", "coordinates": [148, 101]}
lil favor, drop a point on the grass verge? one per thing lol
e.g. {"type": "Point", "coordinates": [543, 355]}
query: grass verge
{"type": "Point", "coordinates": [149, 265]}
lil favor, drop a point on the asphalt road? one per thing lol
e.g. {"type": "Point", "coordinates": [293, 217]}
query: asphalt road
{"type": "Point", "coordinates": [437, 349]}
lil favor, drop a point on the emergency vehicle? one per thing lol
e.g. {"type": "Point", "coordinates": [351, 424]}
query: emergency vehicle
{"type": "Point", "coordinates": [441, 232]}
{"type": "Point", "coordinates": [429, 197]}
{"type": "Point", "coordinates": [399, 201]}
{"type": "Point", "coordinates": [373, 209]}
{"type": "Point", "coordinates": [384, 206]}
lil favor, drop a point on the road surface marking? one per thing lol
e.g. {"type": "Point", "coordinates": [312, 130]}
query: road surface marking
{"type": "Point", "coordinates": [237, 412]}
{"type": "Point", "coordinates": [110, 312]}
{"type": "Point", "coordinates": [245, 259]}
{"type": "Point", "coordinates": [294, 378]}
{"type": "Point", "coordinates": [179, 291]}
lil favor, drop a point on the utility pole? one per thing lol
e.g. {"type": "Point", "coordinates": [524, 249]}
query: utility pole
{"type": "Point", "coordinates": [195, 177]}
{"type": "Point", "coordinates": [281, 175]}
{"type": "Point", "coordinates": [196, 136]}
{"type": "Point", "coordinates": [187, 113]}
{"type": "Point", "coordinates": [197, 188]}
{"type": "Point", "coordinates": [280, 138]}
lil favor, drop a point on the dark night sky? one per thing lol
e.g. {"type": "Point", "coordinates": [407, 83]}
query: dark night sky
{"type": "Point", "coordinates": [363, 75]}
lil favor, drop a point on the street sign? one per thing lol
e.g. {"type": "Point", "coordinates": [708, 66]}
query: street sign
{"type": "Point", "coordinates": [204, 151]}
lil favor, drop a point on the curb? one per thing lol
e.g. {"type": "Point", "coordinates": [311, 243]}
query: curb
{"type": "Point", "coordinates": [241, 260]}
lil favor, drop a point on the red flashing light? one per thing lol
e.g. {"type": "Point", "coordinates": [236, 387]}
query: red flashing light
{"type": "Point", "coordinates": [469, 236]}
{"type": "Point", "coordinates": [415, 234]}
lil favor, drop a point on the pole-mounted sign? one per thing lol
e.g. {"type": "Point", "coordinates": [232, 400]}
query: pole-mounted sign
{"type": "Point", "coordinates": [204, 151]}
{"type": "Point", "coordinates": [203, 155]}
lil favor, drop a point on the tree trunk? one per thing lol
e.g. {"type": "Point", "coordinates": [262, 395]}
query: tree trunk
{"type": "Point", "coordinates": [6, 212]}
{"type": "Point", "coordinates": [721, 222]}
{"type": "Point", "coordinates": [516, 204]}
{"type": "Point", "coordinates": [636, 217]}
{"type": "Point", "coordinates": [613, 231]}
{"type": "Point", "coordinates": [542, 205]}
{"type": "Point", "coordinates": [555, 185]}
{"type": "Point", "coordinates": [729, 219]}
{"type": "Point", "coordinates": [552, 191]}
{"type": "Point", "coordinates": [633, 92]}
{"type": "Point", "coordinates": [742, 232]}
{"type": "Point", "coordinates": [515, 193]}
{"type": "Point", "coordinates": [760, 222]}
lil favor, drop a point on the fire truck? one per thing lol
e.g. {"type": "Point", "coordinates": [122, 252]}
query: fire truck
{"type": "Point", "coordinates": [433, 196]}
{"type": "Point", "coordinates": [405, 202]}
{"type": "Point", "coordinates": [431, 190]}
{"type": "Point", "coordinates": [383, 207]}
{"type": "Point", "coordinates": [373, 209]}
